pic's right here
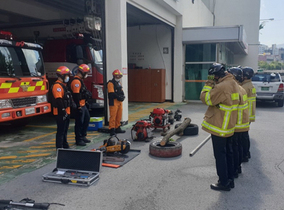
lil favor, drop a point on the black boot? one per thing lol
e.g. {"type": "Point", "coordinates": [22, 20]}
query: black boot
{"type": "Point", "coordinates": [220, 187]}
{"type": "Point", "coordinates": [86, 140]}
{"type": "Point", "coordinates": [119, 130]}
{"type": "Point", "coordinates": [112, 132]}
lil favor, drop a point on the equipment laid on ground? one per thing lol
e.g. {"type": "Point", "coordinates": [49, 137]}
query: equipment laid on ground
{"type": "Point", "coordinates": [159, 118]}
{"type": "Point", "coordinates": [24, 204]}
{"type": "Point", "coordinates": [139, 131]}
{"type": "Point", "coordinates": [111, 145]}
{"type": "Point", "coordinates": [77, 167]}
{"type": "Point", "coordinates": [174, 116]}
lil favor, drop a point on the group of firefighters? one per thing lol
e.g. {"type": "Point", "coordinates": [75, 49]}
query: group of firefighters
{"type": "Point", "coordinates": [230, 97]}
{"type": "Point", "coordinates": [73, 95]}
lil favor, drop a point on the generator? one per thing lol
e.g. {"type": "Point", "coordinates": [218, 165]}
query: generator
{"type": "Point", "coordinates": [140, 130]}
{"type": "Point", "coordinates": [159, 118]}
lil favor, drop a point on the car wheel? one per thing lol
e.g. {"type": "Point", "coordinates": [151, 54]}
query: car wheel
{"type": "Point", "coordinates": [171, 149]}
{"type": "Point", "coordinates": [190, 130]}
{"type": "Point", "coordinates": [280, 103]}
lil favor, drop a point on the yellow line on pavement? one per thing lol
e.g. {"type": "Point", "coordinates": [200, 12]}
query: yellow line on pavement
{"type": "Point", "coordinates": [37, 155]}
{"type": "Point", "coordinates": [20, 161]}
{"type": "Point", "coordinates": [38, 137]}
{"type": "Point", "coordinates": [7, 157]}
{"type": "Point", "coordinates": [10, 167]}
{"type": "Point", "coordinates": [38, 147]}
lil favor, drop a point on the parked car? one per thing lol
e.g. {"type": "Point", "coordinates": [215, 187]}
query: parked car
{"type": "Point", "coordinates": [269, 87]}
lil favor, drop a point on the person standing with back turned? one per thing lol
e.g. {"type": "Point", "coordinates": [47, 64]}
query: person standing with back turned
{"type": "Point", "coordinates": [80, 94]}
{"type": "Point", "coordinates": [251, 92]}
{"type": "Point", "coordinates": [116, 97]}
{"type": "Point", "coordinates": [221, 94]}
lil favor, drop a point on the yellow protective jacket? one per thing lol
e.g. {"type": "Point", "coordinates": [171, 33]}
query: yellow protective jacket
{"type": "Point", "coordinates": [222, 100]}
{"type": "Point", "coordinates": [242, 124]}
{"type": "Point", "coordinates": [251, 92]}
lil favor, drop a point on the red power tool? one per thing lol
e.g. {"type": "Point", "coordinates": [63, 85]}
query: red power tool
{"type": "Point", "coordinates": [139, 131]}
{"type": "Point", "coordinates": [159, 118]}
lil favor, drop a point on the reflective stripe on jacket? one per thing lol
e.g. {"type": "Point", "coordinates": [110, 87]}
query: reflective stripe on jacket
{"type": "Point", "coordinates": [251, 92]}
{"type": "Point", "coordinates": [243, 112]}
{"type": "Point", "coordinates": [222, 100]}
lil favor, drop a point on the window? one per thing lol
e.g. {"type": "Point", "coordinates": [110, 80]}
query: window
{"type": "Point", "coordinates": [20, 62]}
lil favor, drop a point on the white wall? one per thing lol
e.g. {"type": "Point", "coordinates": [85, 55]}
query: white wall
{"type": "Point", "coordinates": [145, 49]}
{"type": "Point", "coordinates": [196, 15]}
{"type": "Point", "coordinates": [116, 44]}
{"type": "Point", "coordinates": [246, 13]}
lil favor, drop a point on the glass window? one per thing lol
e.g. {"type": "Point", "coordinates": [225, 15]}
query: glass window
{"type": "Point", "coordinates": [6, 63]}
{"type": "Point", "coordinates": [20, 62]}
{"type": "Point", "coordinates": [200, 53]}
{"type": "Point", "coordinates": [98, 58]}
{"type": "Point", "coordinates": [34, 62]}
{"type": "Point", "coordinates": [266, 77]}
{"type": "Point", "coordinates": [195, 77]}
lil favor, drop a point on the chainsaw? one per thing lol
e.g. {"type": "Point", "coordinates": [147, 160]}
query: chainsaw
{"type": "Point", "coordinates": [139, 131]}
{"type": "Point", "coordinates": [115, 145]}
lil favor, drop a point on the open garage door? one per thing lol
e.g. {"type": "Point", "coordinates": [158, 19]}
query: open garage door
{"type": "Point", "coordinates": [71, 33]}
{"type": "Point", "coordinates": [150, 57]}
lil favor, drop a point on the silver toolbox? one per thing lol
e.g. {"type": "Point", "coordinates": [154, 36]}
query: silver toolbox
{"type": "Point", "coordinates": [77, 167]}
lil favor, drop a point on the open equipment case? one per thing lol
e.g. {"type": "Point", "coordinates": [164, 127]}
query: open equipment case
{"type": "Point", "coordinates": [77, 167]}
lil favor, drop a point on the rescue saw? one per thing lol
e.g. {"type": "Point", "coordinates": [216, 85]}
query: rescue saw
{"type": "Point", "coordinates": [112, 145]}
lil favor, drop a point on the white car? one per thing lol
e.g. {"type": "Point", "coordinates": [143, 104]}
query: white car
{"type": "Point", "coordinates": [269, 87]}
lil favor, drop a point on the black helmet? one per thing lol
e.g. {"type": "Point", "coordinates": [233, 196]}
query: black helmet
{"type": "Point", "coordinates": [248, 72]}
{"type": "Point", "coordinates": [237, 73]}
{"type": "Point", "coordinates": [217, 69]}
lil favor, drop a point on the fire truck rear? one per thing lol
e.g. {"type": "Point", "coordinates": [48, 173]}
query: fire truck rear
{"type": "Point", "coordinates": [23, 84]}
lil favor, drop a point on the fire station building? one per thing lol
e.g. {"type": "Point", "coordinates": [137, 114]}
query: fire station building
{"type": "Point", "coordinates": [164, 48]}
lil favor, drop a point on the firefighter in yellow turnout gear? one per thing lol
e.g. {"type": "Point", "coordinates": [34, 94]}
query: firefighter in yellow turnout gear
{"type": "Point", "coordinates": [242, 126]}
{"type": "Point", "coordinates": [251, 92]}
{"type": "Point", "coordinates": [221, 95]}
{"type": "Point", "coordinates": [116, 97]}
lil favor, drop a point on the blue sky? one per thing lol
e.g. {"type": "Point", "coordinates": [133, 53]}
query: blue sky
{"type": "Point", "coordinates": [273, 31]}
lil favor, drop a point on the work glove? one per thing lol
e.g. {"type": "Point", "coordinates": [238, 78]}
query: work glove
{"type": "Point", "coordinates": [65, 115]}
{"type": "Point", "coordinates": [210, 77]}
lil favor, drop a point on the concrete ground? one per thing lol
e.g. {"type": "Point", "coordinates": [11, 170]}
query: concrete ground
{"type": "Point", "coordinates": [181, 183]}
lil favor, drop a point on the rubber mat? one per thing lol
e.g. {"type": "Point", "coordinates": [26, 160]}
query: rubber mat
{"type": "Point", "coordinates": [123, 159]}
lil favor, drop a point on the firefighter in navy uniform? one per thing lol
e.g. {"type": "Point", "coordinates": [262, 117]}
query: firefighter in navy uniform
{"type": "Point", "coordinates": [242, 125]}
{"type": "Point", "coordinates": [80, 94]}
{"type": "Point", "coordinates": [116, 97]}
{"type": "Point", "coordinates": [221, 94]}
{"type": "Point", "coordinates": [61, 106]}
{"type": "Point", "coordinates": [251, 92]}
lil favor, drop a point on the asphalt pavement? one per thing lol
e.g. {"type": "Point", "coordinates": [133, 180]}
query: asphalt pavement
{"type": "Point", "coordinates": [178, 183]}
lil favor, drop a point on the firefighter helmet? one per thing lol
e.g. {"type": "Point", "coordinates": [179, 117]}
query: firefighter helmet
{"type": "Point", "coordinates": [248, 72]}
{"type": "Point", "coordinates": [84, 69]}
{"type": "Point", "coordinates": [62, 70]}
{"type": "Point", "coordinates": [217, 69]}
{"type": "Point", "coordinates": [237, 73]}
{"type": "Point", "coordinates": [117, 73]}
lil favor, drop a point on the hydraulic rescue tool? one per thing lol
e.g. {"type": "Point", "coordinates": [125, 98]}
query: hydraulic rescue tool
{"type": "Point", "coordinates": [139, 131]}
{"type": "Point", "coordinates": [159, 118]}
{"type": "Point", "coordinates": [112, 145]}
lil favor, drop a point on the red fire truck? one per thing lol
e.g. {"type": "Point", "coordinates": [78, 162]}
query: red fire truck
{"type": "Point", "coordinates": [23, 83]}
{"type": "Point", "coordinates": [70, 43]}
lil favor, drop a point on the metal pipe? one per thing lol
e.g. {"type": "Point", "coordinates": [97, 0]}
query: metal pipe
{"type": "Point", "coordinates": [199, 146]}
